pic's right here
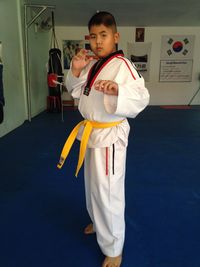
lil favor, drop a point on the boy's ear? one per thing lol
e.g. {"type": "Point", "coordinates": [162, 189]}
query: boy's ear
{"type": "Point", "coordinates": [117, 36]}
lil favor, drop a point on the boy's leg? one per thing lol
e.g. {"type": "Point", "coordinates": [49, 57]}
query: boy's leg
{"type": "Point", "coordinates": [106, 172]}
{"type": "Point", "coordinates": [87, 179]}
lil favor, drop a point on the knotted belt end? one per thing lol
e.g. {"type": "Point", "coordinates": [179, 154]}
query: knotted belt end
{"type": "Point", "coordinates": [60, 163]}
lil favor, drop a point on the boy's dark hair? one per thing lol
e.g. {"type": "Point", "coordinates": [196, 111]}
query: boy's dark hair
{"type": "Point", "coordinates": [105, 18]}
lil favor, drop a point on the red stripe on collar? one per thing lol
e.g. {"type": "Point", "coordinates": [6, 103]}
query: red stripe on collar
{"type": "Point", "coordinates": [127, 66]}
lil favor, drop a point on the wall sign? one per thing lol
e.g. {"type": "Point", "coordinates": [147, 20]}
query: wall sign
{"type": "Point", "coordinates": [176, 58]}
{"type": "Point", "coordinates": [176, 70]}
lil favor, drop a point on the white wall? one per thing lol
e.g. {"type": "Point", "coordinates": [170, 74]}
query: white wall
{"type": "Point", "coordinates": [162, 93]}
{"type": "Point", "coordinates": [15, 92]}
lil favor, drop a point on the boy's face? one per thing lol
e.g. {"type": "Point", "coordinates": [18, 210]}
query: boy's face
{"type": "Point", "coordinates": [103, 40]}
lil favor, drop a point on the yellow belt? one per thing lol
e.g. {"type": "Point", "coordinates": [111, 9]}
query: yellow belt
{"type": "Point", "coordinates": [88, 126]}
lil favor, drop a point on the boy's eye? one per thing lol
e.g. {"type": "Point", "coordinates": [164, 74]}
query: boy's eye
{"type": "Point", "coordinates": [92, 37]}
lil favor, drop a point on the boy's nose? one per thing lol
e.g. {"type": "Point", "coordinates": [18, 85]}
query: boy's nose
{"type": "Point", "coordinates": [98, 40]}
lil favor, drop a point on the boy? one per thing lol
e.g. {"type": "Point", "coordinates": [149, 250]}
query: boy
{"type": "Point", "coordinates": [109, 90]}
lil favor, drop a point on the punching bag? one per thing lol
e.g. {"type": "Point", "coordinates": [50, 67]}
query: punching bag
{"type": "Point", "coordinates": [2, 102]}
{"type": "Point", "coordinates": [54, 68]}
{"type": "Point", "coordinates": [54, 64]}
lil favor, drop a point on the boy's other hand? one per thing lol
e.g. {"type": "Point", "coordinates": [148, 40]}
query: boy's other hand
{"type": "Point", "coordinates": [79, 61]}
{"type": "Point", "coordinates": [107, 87]}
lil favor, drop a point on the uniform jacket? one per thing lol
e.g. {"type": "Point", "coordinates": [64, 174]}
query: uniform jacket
{"type": "Point", "coordinates": [132, 98]}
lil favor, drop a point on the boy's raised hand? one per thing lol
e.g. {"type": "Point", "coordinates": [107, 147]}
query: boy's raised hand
{"type": "Point", "coordinates": [107, 87]}
{"type": "Point", "coordinates": [79, 61]}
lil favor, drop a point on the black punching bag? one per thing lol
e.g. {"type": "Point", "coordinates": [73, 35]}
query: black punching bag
{"type": "Point", "coordinates": [1, 93]}
{"type": "Point", "coordinates": [55, 67]}
{"type": "Point", "coordinates": [54, 64]}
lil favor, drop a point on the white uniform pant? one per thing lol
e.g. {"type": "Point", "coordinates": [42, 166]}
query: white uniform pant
{"type": "Point", "coordinates": [105, 201]}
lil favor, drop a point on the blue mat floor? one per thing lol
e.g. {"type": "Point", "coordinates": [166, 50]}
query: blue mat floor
{"type": "Point", "coordinates": [42, 209]}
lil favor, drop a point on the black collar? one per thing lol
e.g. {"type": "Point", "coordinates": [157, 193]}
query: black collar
{"type": "Point", "coordinates": [97, 67]}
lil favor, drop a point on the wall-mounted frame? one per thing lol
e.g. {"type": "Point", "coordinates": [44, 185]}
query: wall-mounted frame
{"type": "Point", "coordinates": [71, 48]}
{"type": "Point", "coordinates": [139, 34]}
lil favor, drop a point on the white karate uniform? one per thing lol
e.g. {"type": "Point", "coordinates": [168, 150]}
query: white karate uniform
{"type": "Point", "coordinates": [104, 165]}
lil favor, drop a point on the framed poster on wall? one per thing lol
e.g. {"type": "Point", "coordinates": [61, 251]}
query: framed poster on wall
{"type": "Point", "coordinates": [70, 48]}
{"type": "Point", "coordinates": [139, 34]}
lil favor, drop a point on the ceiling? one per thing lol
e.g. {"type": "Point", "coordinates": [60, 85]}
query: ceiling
{"type": "Point", "coordinates": [127, 13]}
